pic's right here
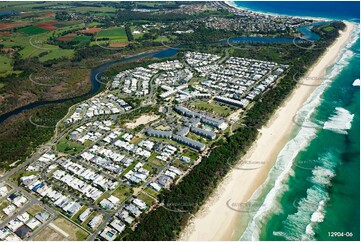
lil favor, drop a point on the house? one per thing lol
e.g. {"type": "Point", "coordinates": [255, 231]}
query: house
{"type": "Point", "coordinates": [185, 159]}
{"type": "Point", "coordinates": [96, 221]}
{"type": "Point", "coordinates": [24, 217]}
{"type": "Point", "coordinates": [202, 132]}
{"type": "Point", "coordinates": [114, 200]}
{"type": "Point", "coordinates": [133, 210]}
{"type": "Point", "coordinates": [23, 231]}
{"type": "Point", "coordinates": [124, 216]}
{"type": "Point", "coordinates": [140, 203]}
{"type": "Point", "coordinates": [33, 223]}
{"type": "Point", "coordinates": [9, 209]}
{"type": "Point", "coordinates": [183, 132]}
{"type": "Point", "coordinates": [4, 233]}
{"type": "Point", "coordinates": [109, 234]}
{"type": "Point", "coordinates": [155, 186]}
{"type": "Point", "coordinates": [215, 122]}
{"type": "Point", "coordinates": [159, 133]}
{"type": "Point", "coordinates": [85, 214]}
{"type": "Point", "coordinates": [72, 208]}
{"type": "Point", "coordinates": [119, 226]}
{"type": "Point", "coordinates": [164, 181]}
{"type": "Point", "coordinates": [14, 224]}
{"type": "Point", "coordinates": [106, 204]}
{"type": "Point", "coordinates": [42, 216]}
{"type": "Point", "coordinates": [190, 142]}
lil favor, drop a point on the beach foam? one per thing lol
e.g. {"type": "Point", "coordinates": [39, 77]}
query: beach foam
{"type": "Point", "coordinates": [310, 210]}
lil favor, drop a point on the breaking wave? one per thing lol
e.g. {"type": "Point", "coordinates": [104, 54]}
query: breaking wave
{"type": "Point", "coordinates": [339, 122]}
{"type": "Point", "coordinates": [311, 209]}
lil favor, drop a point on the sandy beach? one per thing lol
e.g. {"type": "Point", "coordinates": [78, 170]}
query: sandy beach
{"type": "Point", "coordinates": [215, 220]}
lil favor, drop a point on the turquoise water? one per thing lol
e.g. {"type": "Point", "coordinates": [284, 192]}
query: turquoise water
{"type": "Point", "coordinates": [325, 180]}
{"type": "Point", "coordinates": [313, 190]}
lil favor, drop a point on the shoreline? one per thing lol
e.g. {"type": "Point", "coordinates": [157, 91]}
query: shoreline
{"type": "Point", "coordinates": [233, 5]}
{"type": "Point", "coordinates": [216, 221]}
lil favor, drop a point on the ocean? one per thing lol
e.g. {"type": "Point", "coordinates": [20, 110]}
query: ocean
{"type": "Point", "coordinates": [335, 10]}
{"type": "Point", "coordinates": [313, 191]}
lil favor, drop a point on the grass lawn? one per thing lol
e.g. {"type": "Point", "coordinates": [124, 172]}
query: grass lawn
{"type": "Point", "coordinates": [197, 137]}
{"type": "Point", "coordinates": [75, 216]}
{"type": "Point", "coordinates": [35, 209]}
{"type": "Point", "coordinates": [161, 39]}
{"type": "Point", "coordinates": [151, 191]}
{"type": "Point", "coordinates": [122, 192]}
{"type": "Point", "coordinates": [4, 203]}
{"type": "Point", "coordinates": [70, 147]}
{"type": "Point", "coordinates": [128, 168]}
{"type": "Point", "coordinates": [32, 30]}
{"type": "Point", "coordinates": [105, 195]}
{"type": "Point", "coordinates": [105, 14]}
{"type": "Point", "coordinates": [75, 233]}
{"type": "Point", "coordinates": [147, 199]}
{"type": "Point", "coordinates": [85, 223]}
{"type": "Point", "coordinates": [136, 140]}
{"type": "Point", "coordinates": [22, 172]}
{"type": "Point", "coordinates": [194, 156]}
{"type": "Point", "coordinates": [153, 160]}
{"type": "Point", "coordinates": [156, 162]}
{"type": "Point", "coordinates": [213, 108]}
{"type": "Point", "coordinates": [148, 167]}
{"type": "Point", "coordinates": [195, 80]}
{"type": "Point", "coordinates": [138, 36]}
{"type": "Point", "coordinates": [182, 165]}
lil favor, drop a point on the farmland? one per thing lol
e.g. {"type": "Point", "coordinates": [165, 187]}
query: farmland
{"type": "Point", "coordinates": [116, 37]}
{"type": "Point", "coordinates": [5, 65]}
{"type": "Point", "coordinates": [31, 30]}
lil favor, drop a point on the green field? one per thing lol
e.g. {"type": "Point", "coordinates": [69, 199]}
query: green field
{"type": "Point", "coordinates": [5, 65]}
{"type": "Point", "coordinates": [151, 191]}
{"type": "Point", "coordinates": [70, 147]}
{"type": "Point", "coordinates": [212, 107]}
{"type": "Point", "coordinates": [194, 156]}
{"type": "Point", "coordinates": [82, 38]}
{"type": "Point", "coordinates": [122, 192]}
{"type": "Point", "coordinates": [328, 28]}
{"type": "Point", "coordinates": [56, 54]}
{"type": "Point", "coordinates": [32, 30]}
{"type": "Point", "coordinates": [117, 34]}
{"type": "Point", "coordinates": [146, 198]}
